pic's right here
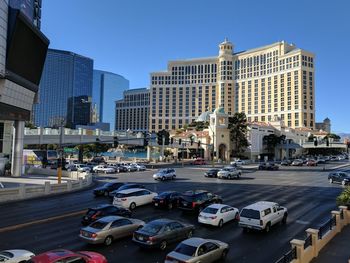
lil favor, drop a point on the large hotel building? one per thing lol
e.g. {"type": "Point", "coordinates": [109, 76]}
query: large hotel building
{"type": "Point", "coordinates": [266, 82]}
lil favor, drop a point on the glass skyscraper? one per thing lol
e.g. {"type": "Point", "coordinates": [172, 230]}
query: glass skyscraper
{"type": "Point", "coordinates": [65, 90]}
{"type": "Point", "coordinates": [107, 88]}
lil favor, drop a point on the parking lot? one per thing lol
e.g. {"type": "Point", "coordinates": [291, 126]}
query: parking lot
{"type": "Point", "coordinates": [305, 191]}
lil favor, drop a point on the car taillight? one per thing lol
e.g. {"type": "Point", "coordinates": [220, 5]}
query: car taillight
{"type": "Point", "coordinates": [194, 204]}
{"type": "Point", "coordinates": [261, 222]}
{"type": "Point", "coordinates": [151, 239]}
{"type": "Point", "coordinates": [95, 215]}
{"type": "Point", "coordinates": [213, 217]}
{"type": "Point", "coordinates": [124, 199]}
{"type": "Point", "coordinates": [93, 235]}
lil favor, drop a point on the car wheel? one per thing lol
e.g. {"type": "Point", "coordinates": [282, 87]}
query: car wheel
{"type": "Point", "coordinates": [163, 178]}
{"type": "Point", "coordinates": [108, 241]}
{"type": "Point", "coordinates": [163, 245]}
{"type": "Point", "coordinates": [330, 180]}
{"type": "Point", "coordinates": [190, 234]}
{"type": "Point", "coordinates": [221, 223]}
{"type": "Point", "coordinates": [170, 206]}
{"type": "Point", "coordinates": [132, 206]}
{"type": "Point", "coordinates": [284, 220]}
{"type": "Point", "coordinates": [224, 254]}
{"type": "Point", "coordinates": [267, 227]}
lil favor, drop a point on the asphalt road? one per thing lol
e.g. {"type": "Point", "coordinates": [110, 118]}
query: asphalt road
{"type": "Point", "coordinates": [54, 222]}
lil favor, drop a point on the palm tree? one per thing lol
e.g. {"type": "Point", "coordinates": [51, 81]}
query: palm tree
{"type": "Point", "coordinates": [238, 127]}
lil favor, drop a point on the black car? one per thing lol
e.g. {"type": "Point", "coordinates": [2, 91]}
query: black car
{"type": "Point", "coordinates": [339, 177]}
{"type": "Point", "coordinates": [98, 212]}
{"type": "Point", "coordinates": [124, 187]}
{"type": "Point", "coordinates": [107, 188]}
{"type": "Point", "coordinates": [197, 200]}
{"type": "Point", "coordinates": [159, 233]}
{"type": "Point", "coordinates": [168, 199]}
{"type": "Point", "coordinates": [212, 173]}
{"type": "Point", "coordinates": [268, 166]}
{"type": "Point", "coordinates": [286, 162]}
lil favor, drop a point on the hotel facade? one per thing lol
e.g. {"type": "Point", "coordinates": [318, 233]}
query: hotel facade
{"type": "Point", "coordinates": [269, 82]}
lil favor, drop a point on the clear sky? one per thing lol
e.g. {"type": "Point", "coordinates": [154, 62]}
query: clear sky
{"type": "Point", "coordinates": [136, 37]}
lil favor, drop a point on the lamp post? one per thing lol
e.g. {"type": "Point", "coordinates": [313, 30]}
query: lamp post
{"type": "Point", "coordinates": [60, 151]}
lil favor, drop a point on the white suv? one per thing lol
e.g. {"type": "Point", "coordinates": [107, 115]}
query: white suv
{"type": "Point", "coordinates": [229, 173]}
{"type": "Point", "coordinates": [130, 198]}
{"type": "Point", "coordinates": [262, 215]}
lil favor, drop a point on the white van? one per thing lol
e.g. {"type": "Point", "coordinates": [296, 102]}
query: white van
{"type": "Point", "coordinates": [262, 215]}
{"type": "Point", "coordinates": [130, 198]}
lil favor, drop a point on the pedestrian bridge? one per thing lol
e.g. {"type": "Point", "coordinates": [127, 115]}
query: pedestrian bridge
{"type": "Point", "coordinates": [79, 136]}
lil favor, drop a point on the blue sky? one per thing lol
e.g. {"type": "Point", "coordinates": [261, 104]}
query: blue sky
{"type": "Point", "coordinates": [136, 37]}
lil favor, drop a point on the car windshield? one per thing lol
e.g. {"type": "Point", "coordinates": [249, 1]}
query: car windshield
{"type": "Point", "coordinates": [99, 224]}
{"type": "Point", "coordinates": [250, 213]}
{"type": "Point", "coordinates": [210, 210]}
{"type": "Point", "coordinates": [226, 169]}
{"type": "Point", "coordinates": [186, 250]}
{"type": "Point", "coordinates": [91, 212]}
{"type": "Point", "coordinates": [152, 228]}
{"type": "Point", "coordinates": [5, 254]}
{"type": "Point", "coordinates": [107, 184]}
{"type": "Point", "coordinates": [120, 195]}
{"type": "Point", "coordinates": [164, 194]}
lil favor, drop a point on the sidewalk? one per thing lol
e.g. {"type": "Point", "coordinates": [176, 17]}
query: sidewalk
{"type": "Point", "coordinates": [10, 182]}
{"type": "Point", "coordinates": [337, 250]}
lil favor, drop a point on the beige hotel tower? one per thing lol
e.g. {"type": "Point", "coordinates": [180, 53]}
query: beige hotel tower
{"type": "Point", "coordinates": [266, 82]}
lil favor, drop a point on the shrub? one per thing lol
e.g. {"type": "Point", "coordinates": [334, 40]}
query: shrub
{"type": "Point", "coordinates": [344, 197]}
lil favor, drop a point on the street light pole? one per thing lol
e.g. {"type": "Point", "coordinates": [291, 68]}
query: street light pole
{"type": "Point", "coordinates": [60, 154]}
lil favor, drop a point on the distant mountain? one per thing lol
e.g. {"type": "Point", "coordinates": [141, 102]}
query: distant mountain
{"type": "Point", "coordinates": [344, 135]}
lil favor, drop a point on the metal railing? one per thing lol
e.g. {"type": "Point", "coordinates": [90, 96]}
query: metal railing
{"type": "Point", "coordinates": [288, 257]}
{"type": "Point", "coordinates": [327, 227]}
{"type": "Point", "coordinates": [308, 241]}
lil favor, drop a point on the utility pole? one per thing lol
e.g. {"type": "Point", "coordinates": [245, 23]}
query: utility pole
{"type": "Point", "coordinates": [163, 143]}
{"type": "Point", "coordinates": [60, 154]}
{"type": "Point", "coordinates": [182, 152]}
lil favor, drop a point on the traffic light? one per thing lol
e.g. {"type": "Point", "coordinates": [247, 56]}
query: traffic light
{"type": "Point", "coordinates": [160, 137]}
{"type": "Point", "coordinates": [327, 141]}
{"type": "Point", "coordinates": [167, 137]}
{"type": "Point", "coordinates": [171, 140]}
{"type": "Point", "coordinates": [315, 142]}
{"type": "Point", "coordinates": [199, 144]}
{"type": "Point", "coordinates": [180, 141]}
{"type": "Point", "coordinates": [115, 142]}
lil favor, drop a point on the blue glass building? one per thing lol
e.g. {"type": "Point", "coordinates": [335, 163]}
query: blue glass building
{"type": "Point", "coordinates": [107, 88]}
{"type": "Point", "coordinates": [65, 90]}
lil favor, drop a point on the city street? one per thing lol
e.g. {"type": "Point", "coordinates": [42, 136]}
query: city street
{"type": "Point", "coordinates": [54, 222]}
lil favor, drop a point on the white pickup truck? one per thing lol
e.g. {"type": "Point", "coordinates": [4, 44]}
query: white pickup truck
{"type": "Point", "coordinates": [262, 215]}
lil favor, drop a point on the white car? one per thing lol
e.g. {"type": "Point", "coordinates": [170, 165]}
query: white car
{"type": "Point", "coordinates": [218, 214]}
{"type": "Point", "coordinates": [131, 198]}
{"type": "Point", "coordinates": [139, 167]}
{"type": "Point", "coordinates": [79, 168]}
{"type": "Point", "coordinates": [103, 169]}
{"type": "Point", "coordinates": [1, 185]}
{"type": "Point", "coordinates": [262, 215]}
{"type": "Point", "coordinates": [238, 163]}
{"type": "Point", "coordinates": [15, 255]}
{"type": "Point", "coordinates": [165, 174]}
{"type": "Point", "coordinates": [229, 173]}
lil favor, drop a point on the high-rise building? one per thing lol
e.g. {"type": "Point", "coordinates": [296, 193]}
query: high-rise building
{"type": "Point", "coordinates": [107, 88]}
{"type": "Point", "coordinates": [132, 112]}
{"type": "Point", "coordinates": [273, 81]}
{"type": "Point", "coordinates": [65, 89]}
{"type": "Point", "coordinates": [325, 125]}
{"type": "Point", "coordinates": [30, 8]}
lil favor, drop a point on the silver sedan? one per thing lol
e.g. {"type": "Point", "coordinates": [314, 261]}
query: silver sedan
{"type": "Point", "coordinates": [109, 228]}
{"type": "Point", "coordinates": [198, 250]}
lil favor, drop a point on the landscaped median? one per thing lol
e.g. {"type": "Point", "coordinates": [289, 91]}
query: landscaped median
{"type": "Point", "coordinates": [29, 191]}
{"type": "Point", "coordinates": [304, 251]}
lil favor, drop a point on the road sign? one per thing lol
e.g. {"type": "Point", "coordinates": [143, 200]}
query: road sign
{"type": "Point", "coordinates": [70, 150]}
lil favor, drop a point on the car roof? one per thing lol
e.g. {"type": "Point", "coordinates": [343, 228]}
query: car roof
{"type": "Point", "coordinates": [261, 205]}
{"type": "Point", "coordinates": [53, 255]}
{"type": "Point", "coordinates": [162, 221]}
{"type": "Point", "coordinates": [102, 206]}
{"type": "Point", "coordinates": [194, 192]}
{"type": "Point", "coordinates": [218, 206]}
{"type": "Point", "coordinates": [108, 219]}
{"type": "Point", "coordinates": [131, 190]}
{"type": "Point", "coordinates": [194, 241]}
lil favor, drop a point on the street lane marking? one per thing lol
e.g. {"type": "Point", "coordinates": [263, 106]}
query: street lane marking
{"type": "Point", "coordinates": [302, 222]}
{"type": "Point", "coordinates": [45, 220]}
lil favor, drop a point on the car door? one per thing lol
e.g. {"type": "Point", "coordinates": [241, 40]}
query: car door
{"type": "Point", "coordinates": [124, 227]}
{"type": "Point", "coordinates": [228, 213]}
{"type": "Point", "coordinates": [206, 253]}
{"type": "Point", "coordinates": [277, 214]}
{"type": "Point", "coordinates": [337, 178]}
{"type": "Point", "coordinates": [145, 197]}
{"type": "Point", "coordinates": [179, 231]}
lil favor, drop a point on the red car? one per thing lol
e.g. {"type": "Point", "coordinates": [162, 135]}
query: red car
{"type": "Point", "coordinates": [63, 255]}
{"type": "Point", "coordinates": [311, 163]}
{"type": "Point", "coordinates": [199, 161]}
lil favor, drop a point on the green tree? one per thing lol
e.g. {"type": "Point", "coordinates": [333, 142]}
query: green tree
{"type": "Point", "coordinates": [199, 125]}
{"type": "Point", "coordinates": [344, 197]}
{"type": "Point", "coordinates": [238, 127]}
{"type": "Point", "coordinates": [29, 124]}
{"type": "Point", "coordinates": [94, 149]}
{"type": "Point", "coordinates": [272, 140]}
{"type": "Point", "coordinates": [332, 136]}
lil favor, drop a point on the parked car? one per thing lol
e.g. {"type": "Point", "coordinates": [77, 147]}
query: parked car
{"type": "Point", "coordinates": [165, 174]}
{"type": "Point", "coordinates": [197, 200]}
{"type": "Point", "coordinates": [339, 177]}
{"type": "Point", "coordinates": [168, 199]}
{"type": "Point", "coordinates": [103, 169]}
{"type": "Point", "coordinates": [199, 161]}
{"type": "Point", "coordinates": [63, 255]}
{"type": "Point", "coordinates": [98, 212]}
{"type": "Point", "coordinates": [297, 162]}
{"type": "Point", "coordinates": [212, 172]}
{"type": "Point", "coordinates": [139, 167]}
{"type": "Point", "coordinates": [118, 167]}
{"type": "Point", "coordinates": [107, 188]}
{"type": "Point", "coordinates": [15, 255]}
{"type": "Point", "coordinates": [229, 173]}
{"type": "Point", "coordinates": [78, 167]}
{"type": "Point", "coordinates": [218, 214]}
{"type": "Point", "coordinates": [197, 249]}
{"type": "Point", "coordinates": [238, 163]}
{"type": "Point", "coordinates": [321, 161]}
{"type": "Point", "coordinates": [130, 167]}
{"type": "Point", "coordinates": [109, 228]}
{"type": "Point", "coordinates": [131, 198]}
{"type": "Point", "coordinates": [268, 166]}
{"type": "Point", "coordinates": [262, 216]}
{"type": "Point", "coordinates": [311, 162]}
{"type": "Point", "coordinates": [159, 233]}
{"type": "Point", "coordinates": [126, 186]}
{"type": "Point", "coordinates": [98, 159]}
{"type": "Point", "coordinates": [286, 162]}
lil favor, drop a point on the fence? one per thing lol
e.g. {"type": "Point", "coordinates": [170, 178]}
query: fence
{"type": "Point", "coordinates": [25, 191]}
{"type": "Point", "coordinates": [303, 251]}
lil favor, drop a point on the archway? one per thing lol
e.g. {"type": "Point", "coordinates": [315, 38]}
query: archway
{"type": "Point", "coordinates": [222, 152]}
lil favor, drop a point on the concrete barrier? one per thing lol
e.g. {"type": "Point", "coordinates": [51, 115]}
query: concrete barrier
{"type": "Point", "coordinates": [26, 191]}
{"type": "Point", "coordinates": [316, 240]}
